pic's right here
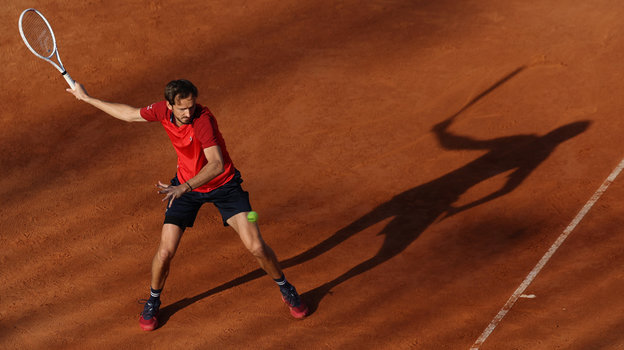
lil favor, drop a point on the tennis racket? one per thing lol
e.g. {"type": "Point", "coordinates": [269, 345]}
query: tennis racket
{"type": "Point", "coordinates": [39, 37]}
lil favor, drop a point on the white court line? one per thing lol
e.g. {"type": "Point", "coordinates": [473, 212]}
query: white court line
{"type": "Point", "coordinates": [529, 278]}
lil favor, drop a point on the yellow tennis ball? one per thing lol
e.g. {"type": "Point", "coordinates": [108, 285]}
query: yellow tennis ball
{"type": "Point", "coordinates": [252, 216]}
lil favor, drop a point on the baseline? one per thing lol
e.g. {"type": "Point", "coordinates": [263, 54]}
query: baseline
{"type": "Point", "coordinates": [551, 251]}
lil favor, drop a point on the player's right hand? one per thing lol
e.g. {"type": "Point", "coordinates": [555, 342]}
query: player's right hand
{"type": "Point", "coordinates": [78, 91]}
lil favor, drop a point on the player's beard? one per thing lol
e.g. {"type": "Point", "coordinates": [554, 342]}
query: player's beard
{"type": "Point", "coordinates": [189, 120]}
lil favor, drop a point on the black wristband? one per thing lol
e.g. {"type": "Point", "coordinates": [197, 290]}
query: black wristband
{"type": "Point", "coordinates": [190, 188]}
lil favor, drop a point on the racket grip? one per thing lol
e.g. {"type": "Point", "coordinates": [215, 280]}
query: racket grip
{"type": "Point", "coordinates": [69, 80]}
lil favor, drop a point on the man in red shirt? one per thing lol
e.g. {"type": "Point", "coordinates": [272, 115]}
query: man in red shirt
{"type": "Point", "coordinates": [205, 174]}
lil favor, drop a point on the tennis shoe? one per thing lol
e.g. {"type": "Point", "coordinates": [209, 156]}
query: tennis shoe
{"type": "Point", "coordinates": [298, 309]}
{"type": "Point", "coordinates": [149, 320]}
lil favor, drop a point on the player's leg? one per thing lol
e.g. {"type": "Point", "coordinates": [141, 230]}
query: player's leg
{"type": "Point", "coordinates": [250, 235]}
{"type": "Point", "coordinates": [169, 241]}
{"type": "Point", "coordinates": [180, 215]}
{"type": "Point", "coordinates": [233, 204]}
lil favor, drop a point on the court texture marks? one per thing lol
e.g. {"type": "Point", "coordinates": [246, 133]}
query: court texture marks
{"type": "Point", "coordinates": [431, 174]}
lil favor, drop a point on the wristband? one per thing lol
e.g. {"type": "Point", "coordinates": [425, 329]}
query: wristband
{"type": "Point", "coordinates": [190, 188]}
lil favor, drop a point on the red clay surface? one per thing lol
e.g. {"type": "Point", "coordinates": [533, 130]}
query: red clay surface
{"type": "Point", "coordinates": [366, 131]}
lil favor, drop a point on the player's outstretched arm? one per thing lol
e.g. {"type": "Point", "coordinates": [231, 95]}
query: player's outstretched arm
{"type": "Point", "coordinates": [117, 110]}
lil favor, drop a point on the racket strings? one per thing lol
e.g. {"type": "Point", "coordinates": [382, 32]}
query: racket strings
{"type": "Point", "coordinates": [38, 34]}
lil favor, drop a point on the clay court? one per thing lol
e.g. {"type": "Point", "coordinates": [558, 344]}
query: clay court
{"type": "Point", "coordinates": [411, 163]}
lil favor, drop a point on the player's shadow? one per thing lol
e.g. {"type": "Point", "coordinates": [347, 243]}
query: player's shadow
{"type": "Point", "coordinates": [412, 211]}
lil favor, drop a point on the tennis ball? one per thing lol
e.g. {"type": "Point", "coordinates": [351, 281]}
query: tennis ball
{"type": "Point", "coordinates": [252, 216]}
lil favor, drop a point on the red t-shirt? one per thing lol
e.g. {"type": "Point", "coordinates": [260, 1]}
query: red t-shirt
{"type": "Point", "coordinates": [189, 141]}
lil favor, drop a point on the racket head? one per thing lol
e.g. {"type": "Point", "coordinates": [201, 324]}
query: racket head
{"type": "Point", "coordinates": [37, 33]}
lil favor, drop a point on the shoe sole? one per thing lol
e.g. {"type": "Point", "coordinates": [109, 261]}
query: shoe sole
{"type": "Point", "coordinates": [297, 312]}
{"type": "Point", "coordinates": [148, 326]}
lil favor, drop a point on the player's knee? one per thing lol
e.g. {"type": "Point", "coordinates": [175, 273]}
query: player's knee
{"type": "Point", "coordinates": [258, 249]}
{"type": "Point", "coordinates": [165, 255]}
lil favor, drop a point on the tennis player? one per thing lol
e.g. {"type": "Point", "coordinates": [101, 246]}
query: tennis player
{"type": "Point", "coordinates": [205, 174]}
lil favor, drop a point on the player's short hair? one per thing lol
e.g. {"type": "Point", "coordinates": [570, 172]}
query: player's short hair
{"type": "Point", "coordinates": [180, 88]}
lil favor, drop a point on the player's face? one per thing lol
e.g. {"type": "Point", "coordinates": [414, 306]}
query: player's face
{"type": "Point", "coordinates": [183, 109]}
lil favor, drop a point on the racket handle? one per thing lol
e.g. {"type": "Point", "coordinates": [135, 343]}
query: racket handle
{"type": "Point", "coordinates": [69, 80]}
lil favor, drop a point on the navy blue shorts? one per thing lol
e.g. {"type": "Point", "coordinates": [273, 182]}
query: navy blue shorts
{"type": "Point", "coordinates": [230, 199]}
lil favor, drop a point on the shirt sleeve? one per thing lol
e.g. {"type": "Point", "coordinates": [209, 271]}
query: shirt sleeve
{"type": "Point", "coordinates": [154, 112]}
{"type": "Point", "coordinates": [206, 130]}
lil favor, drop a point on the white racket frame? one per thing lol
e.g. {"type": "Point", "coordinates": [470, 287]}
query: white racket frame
{"type": "Point", "coordinates": [58, 66]}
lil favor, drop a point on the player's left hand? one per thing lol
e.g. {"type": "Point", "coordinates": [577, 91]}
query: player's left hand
{"type": "Point", "coordinates": [171, 192]}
